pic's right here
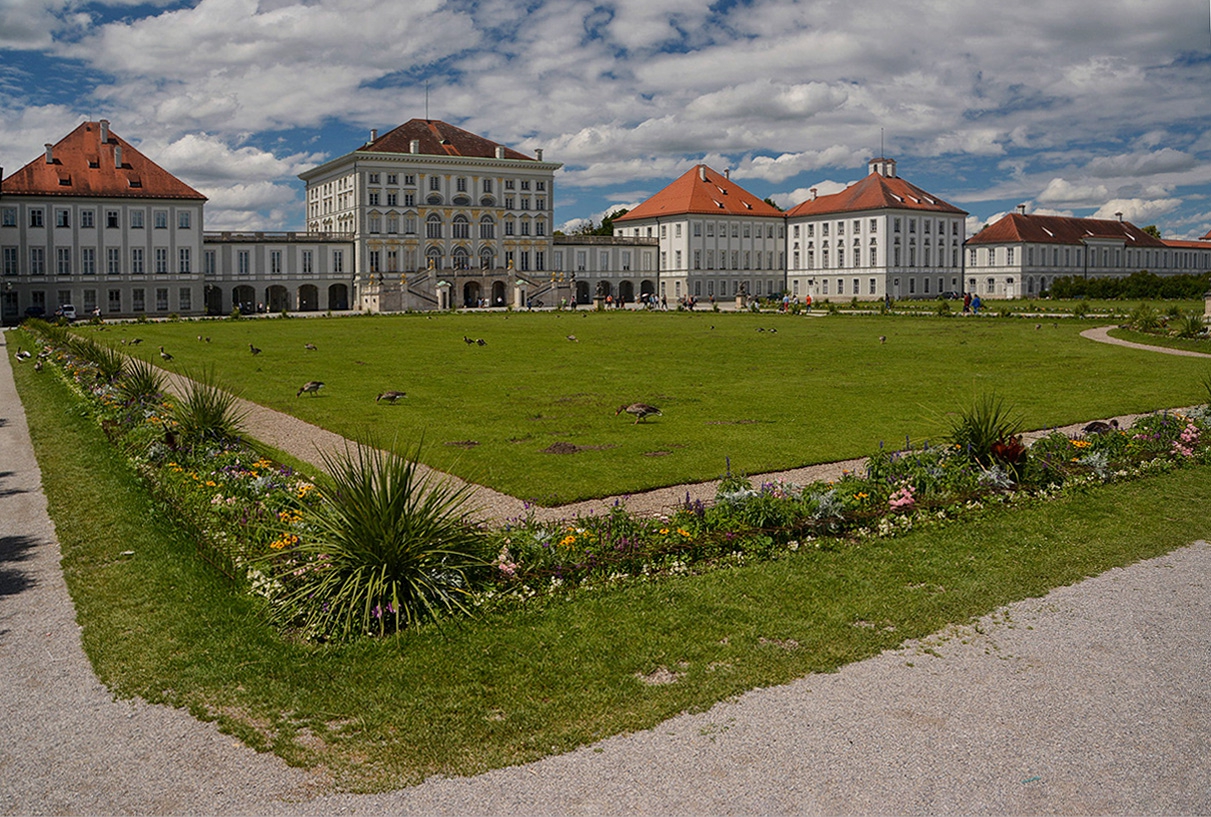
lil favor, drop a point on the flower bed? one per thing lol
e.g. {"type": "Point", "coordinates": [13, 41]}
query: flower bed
{"type": "Point", "coordinates": [378, 550]}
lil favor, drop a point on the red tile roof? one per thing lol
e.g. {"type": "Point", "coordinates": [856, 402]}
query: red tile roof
{"type": "Point", "coordinates": [82, 166]}
{"type": "Point", "coordinates": [701, 191]}
{"type": "Point", "coordinates": [875, 192]}
{"type": "Point", "coordinates": [1016, 227]}
{"type": "Point", "coordinates": [1179, 244]}
{"type": "Point", "coordinates": [437, 139]}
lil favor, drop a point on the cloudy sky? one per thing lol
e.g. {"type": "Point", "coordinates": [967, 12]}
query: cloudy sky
{"type": "Point", "coordinates": [1082, 107]}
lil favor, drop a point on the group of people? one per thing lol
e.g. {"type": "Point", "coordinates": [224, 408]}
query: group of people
{"type": "Point", "coordinates": [971, 304]}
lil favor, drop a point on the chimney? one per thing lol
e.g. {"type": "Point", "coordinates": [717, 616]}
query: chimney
{"type": "Point", "coordinates": [727, 173]}
{"type": "Point", "coordinates": [500, 151]}
{"type": "Point", "coordinates": [104, 131]}
{"type": "Point", "coordinates": [538, 153]}
{"type": "Point", "coordinates": [50, 156]}
{"type": "Point", "coordinates": [813, 192]}
{"type": "Point", "coordinates": [414, 146]}
{"type": "Point", "coordinates": [702, 172]}
{"type": "Point", "coordinates": [1021, 209]}
{"type": "Point", "coordinates": [117, 155]}
{"type": "Point", "coordinates": [1119, 216]}
{"type": "Point", "coordinates": [373, 134]}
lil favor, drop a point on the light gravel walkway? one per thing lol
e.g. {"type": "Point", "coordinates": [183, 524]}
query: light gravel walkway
{"type": "Point", "coordinates": [1102, 335]}
{"type": "Point", "coordinates": [1093, 699]}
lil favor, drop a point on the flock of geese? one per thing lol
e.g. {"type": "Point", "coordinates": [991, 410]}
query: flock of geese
{"type": "Point", "coordinates": [640, 411]}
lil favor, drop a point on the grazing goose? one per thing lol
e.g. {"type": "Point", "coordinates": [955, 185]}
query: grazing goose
{"type": "Point", "coordinates": [390, 396]}
{"type": "Point", "coordinates": [310, 347]}
{"type": "Point", "coordinates": [468, 340]}
{"type": "Point", "coordinates": [573, 338]}
{"type": "Point", "coordinates": [1098, 427]}
{"type": "Point", "coordinates": [164, 355]}
{"type": "Point", "coordinates": [311, 386]}
{"type": "Point", "coordinates": [137, 341]}
{"type": "Point", "coordinates": [253, 349]}
{"type": "Point", "coordinates": [37, 365]}
{"type": "Point", "coordinates": [882, 338]}
{"type": "Point", "coordinates": [481, 341]}
{"type": "Point", "coordinates": [640, 410]}
{"type": "Point", "coordinates": [23, 354]}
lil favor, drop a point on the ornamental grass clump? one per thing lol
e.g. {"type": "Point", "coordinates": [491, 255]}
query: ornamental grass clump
{"type": "Point", "coordinates": [989, 434]}
{"type": "Point", "coordinates": [385, 548]}
{"type": "Point", "coordinates": [142, 383]}
{"type": "Point", "coordinates": [206, 413]}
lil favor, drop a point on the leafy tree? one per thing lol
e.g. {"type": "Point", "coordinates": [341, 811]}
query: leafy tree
{"type": "Point", "coordinates": [1153, 231]}
{"type": "Point", "coordinates": [770, 202]}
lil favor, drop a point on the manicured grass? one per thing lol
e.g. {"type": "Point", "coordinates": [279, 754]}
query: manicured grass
{"type": "Point", "coordinates": [510, 688]}
{"type": "Point", "coordinates": [817, 390]}
{"type": "Point", "coordinates": [1189, 344]}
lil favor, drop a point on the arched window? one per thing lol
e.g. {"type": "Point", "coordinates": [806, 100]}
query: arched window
{"type": "Point", "coordinates": [486, 258]}
{"type": "Point", "coordinates": [433, 226]}
{"type": "Point", "coordinates": [461, 258]}
{"type": "Point", "coordinates": [461, 228]}
{"type": "Point", "coordinates": [487, 227]}
{"type": "Point", "coordinates": [433, 257]}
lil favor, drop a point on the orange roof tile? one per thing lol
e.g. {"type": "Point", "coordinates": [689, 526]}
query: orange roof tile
{"type": "Point", "coordinates": [875, 192]}
{"type": "Point", "coordinates": [438, 139]}
{"type": "Point", "coordinates": [82, 166]}
{"type": "Point", "coordinates": [701, 191]}
{"type": "Point", "coordinates": [1017, 227]}
{"type": "Point", "coordinates": [1179, 244]}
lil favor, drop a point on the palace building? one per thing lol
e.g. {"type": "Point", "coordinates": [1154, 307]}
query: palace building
{"type": "Point", "coordinates": [431, 216]}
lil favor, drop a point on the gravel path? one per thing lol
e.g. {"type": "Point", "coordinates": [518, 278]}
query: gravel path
{"type": "Point", "coordinates": [1102, 335]}
{"type": "Point", "coordinates": [1092, 699]}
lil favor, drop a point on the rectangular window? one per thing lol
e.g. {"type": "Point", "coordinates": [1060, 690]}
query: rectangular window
{"type": "Point", "coordinates": [1009, 256]}
{"type": "Point", "coordinates": [677, 230]}
{"type": "Point", "coordinates": [338, 261]}
{"type": "Point", "coordinates": [539, 260]}
{"type": "Point", "coordinates": [183, 260]}
{"type": "Point", "coordinates": [36, 217]}
{"type": "Point", "coordinates": [435, 183]}
{"type": "Point", "coordinates": [62, 218]}
{"type": "Point", "coordinates": [392, 178]}
{"type": "Point", "coordinates": [307, 262]}
{"type": "Point", "coordinates": [374, 198]}
{"type": "Point", "coordinates": [162, 299]}
{"type": "Point", "coordinates": [88, 260]}
{"type": "Point", "coordinates": [10, 260]}
{"type": "Point", "coordinates": [185, 299]}
{"type": "Point", "coordinates": [90, 301]}
{"type": "Point", "coordinates": [136, 261]}
{"type": "Point", "coordinates": [393, 199]}
{"type": "Point", "coordinates": [88, 219]}
{"type": "Point", "coordinates": [710, 229]}
{"type": "Point", "coordinates": [183, 220]}
{"type": "Point", "coordinates": [136, 219]}
{"type": "Point", "coordinates": [115, 300]}
{"type": "Point", "coordinates": [37, 261]}
{"type": "Point", "coordinates": [375, 260]}
{"type": "Point", "coordinates": [410, 179]}
{"type": "Point", "coordinates": [275, 262]}
{"type": "Point", "coordinates": [113, 261]}
{"type": "Point", "coordinates": [160, 219]}
{"type": "Point", "coordinates": [209, 260]}
{"type": "Point", "coordinates": [8, 217]}
{"type": "Point", "coordinates": [243, 262]}
{"type": "Point", "coordinates": [161, 260]}
{"type": "Point", "coordinates": [111, 218]}
{"type": "Point", "coordinates": [138, 300]}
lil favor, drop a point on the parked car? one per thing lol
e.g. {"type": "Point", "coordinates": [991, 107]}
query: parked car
{"type": "Point", "coordinates": [34, 311]}
{"type": "Point", "coordinates": [950, 296]}
{"type": "Point", "coordinates": [66, 311]}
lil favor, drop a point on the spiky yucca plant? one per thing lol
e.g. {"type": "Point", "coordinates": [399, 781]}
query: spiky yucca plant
{"type": "Point", "coordinates": [387, 548]}
{"type": "Point", "coordinates": [207, 413]}
{"type": "Point", "coordinates": [988, 428]}
{"type": "Point", "coordinates": [141, 383]}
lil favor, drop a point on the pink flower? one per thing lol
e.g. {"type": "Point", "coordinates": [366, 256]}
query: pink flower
{"type": "Point", "coordinates": [903, 499]}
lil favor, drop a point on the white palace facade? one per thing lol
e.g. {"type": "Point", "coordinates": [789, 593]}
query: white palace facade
{"type": "Point", "coordinates": [430, 216]}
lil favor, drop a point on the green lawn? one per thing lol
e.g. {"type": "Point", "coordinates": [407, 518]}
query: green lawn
{"type": "Point", "coordinates": [816, 390]}
{"type": "Point", "coordinates": [504, 689]}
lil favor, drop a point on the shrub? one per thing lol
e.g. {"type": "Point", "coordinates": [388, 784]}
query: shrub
{"type": "Point", "coordinates": [141, 383]}
{"type": "Point", "coordinates": [979, 431]}
{"type": "Point", "coordinates": [386, 548]}
{"type": "Point", "coordinates": [207, 413]}
{"type": "Point", "coordinates": [1190, 326]}
{"type": "Point", "coordinates": [1144, 318]}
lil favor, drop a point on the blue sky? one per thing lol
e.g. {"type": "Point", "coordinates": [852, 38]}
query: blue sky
{"type": "Point", "coordinates": [1071, 107]}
